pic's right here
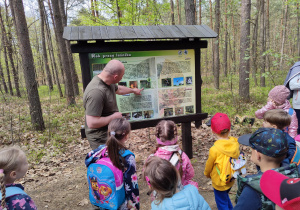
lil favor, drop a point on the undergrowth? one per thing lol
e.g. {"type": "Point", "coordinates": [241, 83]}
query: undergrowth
{"type": "Point", "coordinates": [63, 123]}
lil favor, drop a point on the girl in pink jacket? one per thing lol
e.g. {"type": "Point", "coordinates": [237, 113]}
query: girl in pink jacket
{"type": "Point", "coordinates": [278, 100]}
{"type": "Point", "coordinates": [166, 137]}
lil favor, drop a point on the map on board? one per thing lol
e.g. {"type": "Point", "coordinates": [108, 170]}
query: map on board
{"type": "Point", "coordinates": [167, 76]}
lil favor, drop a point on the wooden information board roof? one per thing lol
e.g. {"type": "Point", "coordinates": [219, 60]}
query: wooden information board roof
{"type": "Point", "coordinates": [86, 33]}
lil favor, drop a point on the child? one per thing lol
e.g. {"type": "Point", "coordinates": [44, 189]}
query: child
{"type": "Point", "coordinates": [280, 119]}
{"type": "Point", "coordinates": [269, 148]}
{"type": "Point", "coordinates": [13, 166]}
{"type": "Point", "coordinates": [163, 177]}
{"type": "Point", "coordinates": [118, 130]}
{"type": "Point", "coordinates": [282, 190]}
{"type": "Point", "coordinates": [225, 146]}
{"type": "Point", "coordinates": [278, 100]}
{"type": "Point", "coordinates": [166, 137]}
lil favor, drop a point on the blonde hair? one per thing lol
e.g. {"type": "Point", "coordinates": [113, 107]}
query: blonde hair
{"type": "Point", "coordinates": [9, 161]}
{"type": "Point", "coordinates": [163, 177]}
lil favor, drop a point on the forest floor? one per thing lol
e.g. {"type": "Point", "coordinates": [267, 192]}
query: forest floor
{"type": "Point", "coordinates": [56, 178]}
{"type": "Point", "coordinates": [60, 182]}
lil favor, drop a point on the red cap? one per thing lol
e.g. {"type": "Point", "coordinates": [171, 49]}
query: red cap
{"type": "Point", "coordinates": [282, 190]}
{"type": "Point", "coordinates": [220, 122]}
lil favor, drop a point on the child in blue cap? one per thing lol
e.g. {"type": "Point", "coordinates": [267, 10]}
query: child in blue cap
{"type": "Point", "coordinates": [269, 149]}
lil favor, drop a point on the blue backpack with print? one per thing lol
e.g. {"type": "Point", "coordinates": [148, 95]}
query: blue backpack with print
{"type": "Point", "coordinates": [106, 187]}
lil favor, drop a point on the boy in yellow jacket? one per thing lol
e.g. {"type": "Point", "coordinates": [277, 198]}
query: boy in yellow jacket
{"type": "Point", "coordinates": [225, 147]}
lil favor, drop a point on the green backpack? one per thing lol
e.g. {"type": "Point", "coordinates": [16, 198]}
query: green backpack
{"type": "Point", "coordinates": [253, 181]}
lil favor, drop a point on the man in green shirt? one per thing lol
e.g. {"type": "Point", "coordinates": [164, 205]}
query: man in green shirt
{"type": "Point", "coordinates": [99, 101]}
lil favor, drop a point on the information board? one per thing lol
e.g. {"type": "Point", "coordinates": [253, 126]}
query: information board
{"type": "Point", "coordinates": [167, 76]}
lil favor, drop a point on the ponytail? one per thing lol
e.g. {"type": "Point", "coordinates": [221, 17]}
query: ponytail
{"type": "Point", "coordinates": [118, 129]}
{"type": "Point", "coordinates": [113, 148]}
{"type": "Point", "coordinates": [180, 162]}
{"type": "Point", "coordinates": [3, 190]}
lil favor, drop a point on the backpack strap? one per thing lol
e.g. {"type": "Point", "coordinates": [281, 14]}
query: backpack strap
{"type": "Point", "coordinates": [10, 191]}
{"type": "Point", "coordinates": [174, 159]}
{"type": "Point", "coordinates": [296, 157]}
{"type": "Point", "coordinates": [126, 152]}
{"type": "Point", "coordinates": [291, 111]}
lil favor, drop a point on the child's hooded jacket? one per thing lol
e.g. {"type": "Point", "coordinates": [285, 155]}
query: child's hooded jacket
{"type": "Point", "coordinates": [222, 147]}
{"type": "Point", "coordinates": [187, 198]}
{"type": "Point", "coordinates": [187, 168]}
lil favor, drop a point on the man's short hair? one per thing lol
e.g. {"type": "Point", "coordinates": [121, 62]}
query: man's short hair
{"type": "Point", "coordinates": [278, 117]}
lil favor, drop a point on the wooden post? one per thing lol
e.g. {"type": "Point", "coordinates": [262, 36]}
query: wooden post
{"type": "Point", "coordinates": [85, 68]}
{"type": "Point", "coordinates": [187, 139]}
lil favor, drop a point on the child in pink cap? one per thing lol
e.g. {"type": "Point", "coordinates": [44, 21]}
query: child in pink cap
{"type": "Point", "coordinates": [168, 149]}
{"type": "Point", "coordinates": [278, 100]}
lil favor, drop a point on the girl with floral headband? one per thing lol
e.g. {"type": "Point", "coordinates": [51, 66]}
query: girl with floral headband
{"type": "Point", "coordinates": [167, 148]}
{"type": "Point", "coordinates": [13, 166]}
{"type": "Point", "coordinates": [118, 131]}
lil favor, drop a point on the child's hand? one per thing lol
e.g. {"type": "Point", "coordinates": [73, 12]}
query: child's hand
{"type": "Point", "coordinates": [273, 102]}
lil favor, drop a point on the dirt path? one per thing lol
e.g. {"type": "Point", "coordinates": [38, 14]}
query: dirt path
{"type": "Point", "coordinates": [64, 185]}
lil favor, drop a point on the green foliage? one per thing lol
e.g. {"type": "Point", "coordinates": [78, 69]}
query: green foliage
{"type": "Point", "coordinates": [36, 155]}
{"type": "Point", "coordinates": [227, 100]}
{"type": "Point", "coordinates": [133, 12]}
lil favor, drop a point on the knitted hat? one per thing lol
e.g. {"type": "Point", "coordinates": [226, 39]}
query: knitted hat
{"type": "Point", "coordinates": [220, 122]}
{"type": "Point", "coordinates": [279, 94]}
{"type": "Point", "coordinates": [282, 190]}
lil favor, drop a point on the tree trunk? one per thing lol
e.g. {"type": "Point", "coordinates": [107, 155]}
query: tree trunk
{"type": "Point", "coordinates": [267, 38]}
{"type": "Point", "coordinates": [225, 41]}
{"type": "Point", "coordinates": [178, 12]}
{"type": "Point", "coordinates": [283, 33]}
{"type": "Point", "coordinates": [92, 8]}
{"type": "Point", "coordinates": [70, 55]}
{"type": "Point", "coordinates": [254, 43]}
{"type": "Point", "coordinates": [118, 13]}
{"type": "Point", "coordinates": [211, 42]}
{"type": "Point", "coordinates": [216, 48]}
{"type": "Point", "coordinates": [46, 62]}
{"type": "Point", "coordinates": [298, 30]}
{"type": "Point", "coordinates": [195, 7]}
{"type": "Point", "coordinates": [55, 71]}
{"type": "Point", "coordinates": [10, 52]}
{"type": "Point", "coordinates": [263, 45]}
{"type": "Point", "coordinates": [190, 12]}
{"type": "Point", "coordinates": [28, 65]}
{"type": "Point", "coordinates": [233, 57]}
{"type": "Point", "coordinates": [200, 12]}
{"type": "Point", "coordinates": [56, 39]}
{"type": "Point", "coordinates": [63, 52]}
{"type": "Point", "coordinates": [2, 76]}
{"type": "Point", "coordinates": [172, 12]}
{"type": "Point", "coordinates": [6, 63]}
{"type": "Point", "coordinates": [244, 50]}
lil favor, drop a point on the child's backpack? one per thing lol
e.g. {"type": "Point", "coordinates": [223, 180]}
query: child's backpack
{"type": "Point", "coordinates": [231, 168]}
{"type": "Point", "coordinates": [296, 157]}
{"type": "Point", "coordinates": [106, 187]}
{"type": "Point", "coordinates": [254, 182]}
